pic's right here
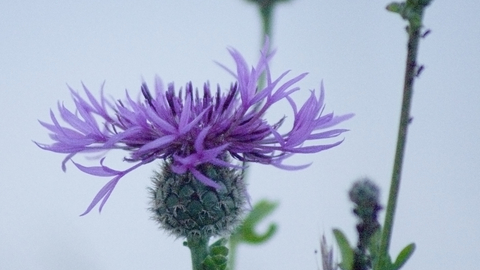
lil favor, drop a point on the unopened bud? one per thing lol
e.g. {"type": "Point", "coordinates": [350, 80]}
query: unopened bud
{"type": "Point", "coordinates": [185, 206]}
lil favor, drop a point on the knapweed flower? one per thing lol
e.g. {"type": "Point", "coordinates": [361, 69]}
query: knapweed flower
{"type": "Point", "coordinates": [193, 129]}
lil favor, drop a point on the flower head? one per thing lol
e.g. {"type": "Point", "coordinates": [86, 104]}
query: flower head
{"type": "Point", "coordinates": [192, 127]}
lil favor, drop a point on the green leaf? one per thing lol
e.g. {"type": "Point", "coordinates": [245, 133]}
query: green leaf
{"type": "Point", "coordinates": [403, 256]}
{"type": "Point", "coordinates": [215, 262]}
{"type": "Point", "coordinates": [374, 246]}
{"type": "Point", "coordinates": [396, 7]}
{"type": "Point", "coordinates": [345, 249]}
{"type": "Point", "coordinates": [220, 260]}
{"type": "Point", "coordinates": [387, 263]}
{"type": "Point", "coordinates": [219, 242]}
{"type": "Point", "coordinates": [217, 256]}
{"type": "Point", "coordinates": [247, 231]}
{"type": "Point", "coordinates": [411, 10]}
{"type": "Point", "coordinates": [209, 263]}
{"type": "Point", "coordinates": [219, 251]}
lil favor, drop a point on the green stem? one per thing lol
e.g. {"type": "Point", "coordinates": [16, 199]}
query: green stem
{"type": "Point", "coordinates": [266, 12]}
{"type": "Point", "coordinates": [232, 253]}
{"type": "Point", "coordinates": [199, 250]}
{"type": "Point", "coordinates": [410, 73]}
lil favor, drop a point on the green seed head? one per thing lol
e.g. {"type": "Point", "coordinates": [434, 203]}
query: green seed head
{"type": "Point", "coordinates": [184, 206]}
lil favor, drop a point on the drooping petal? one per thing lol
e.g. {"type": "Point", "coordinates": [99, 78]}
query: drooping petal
{"type": "Point", "coordinates": [202, 178]}
{"type": "Point", "coordinates": [107, 189]}
{"type": "Point", "coordinates": [102, 195]}
{"type": "Point", "coordinates": [97, 170]}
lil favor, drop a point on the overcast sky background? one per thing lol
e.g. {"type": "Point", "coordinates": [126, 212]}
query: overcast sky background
{"type": "Point", "coordinates": [357, 49]}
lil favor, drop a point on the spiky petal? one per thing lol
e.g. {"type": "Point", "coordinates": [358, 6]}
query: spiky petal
{"type": "Point", "coordinates": [196, 127]}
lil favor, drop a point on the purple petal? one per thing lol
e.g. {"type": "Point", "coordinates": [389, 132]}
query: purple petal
{"type": "Point", "coordinates": [200, 139]}
{"type": "Point", "coordinates": [291, 167]}
{"type": "Point", "coordinates": [103, 195]}
{"type": "Point", "coordinates": [97, 170]}
{"type": "Point", "coordinates": [157, 143]}
{"type": "Point", "coordinates": [202, 178]}
{"type": "Point", "coordinates": [106, 190]}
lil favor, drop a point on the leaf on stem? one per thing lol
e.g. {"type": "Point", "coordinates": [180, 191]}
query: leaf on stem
{"type": "Point", "coordinates": [345, 249]}
{"type": "Point", "coordinates": [403, 256]}
{"type": "Point", "coordinates": [217, 256]}
{"type": "Point", "coordinates": [374, 246]}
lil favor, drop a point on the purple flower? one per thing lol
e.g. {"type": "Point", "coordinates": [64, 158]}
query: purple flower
{"type": "Point", "coordinates": [193, 127]}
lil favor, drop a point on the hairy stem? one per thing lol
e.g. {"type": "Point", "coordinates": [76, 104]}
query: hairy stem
{"type": "Point", "coordinates": [199, 251]}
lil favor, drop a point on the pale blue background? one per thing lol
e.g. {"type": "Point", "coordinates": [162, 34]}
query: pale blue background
{"type": "Point", "coordinates": [355, 46]}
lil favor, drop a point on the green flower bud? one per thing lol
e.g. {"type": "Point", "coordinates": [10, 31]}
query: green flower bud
{"type": "Point", "coordinates": [184, 206]}
{"type": "Point", "coordinates": [364, 192]}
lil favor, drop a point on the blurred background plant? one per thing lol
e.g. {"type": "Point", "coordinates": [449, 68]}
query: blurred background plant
{"type": "Point", "coordinates": [372, 250]}
{"type": "Point", "coordinates": [352, 45]}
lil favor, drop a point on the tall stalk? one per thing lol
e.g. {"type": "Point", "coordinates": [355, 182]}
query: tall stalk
{"type": "Point", "coordinates": [412, 11]}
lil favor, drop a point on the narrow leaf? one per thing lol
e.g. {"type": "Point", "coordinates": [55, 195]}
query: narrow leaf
{"type": "Point", "coordinates": [403, 256]}
{"type": "Point", "coordinates": [374, 246]}
{"type": "Point", "coordinates": [345, 249]}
